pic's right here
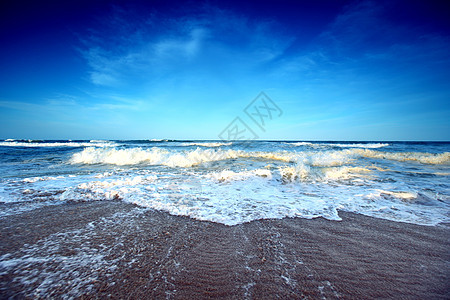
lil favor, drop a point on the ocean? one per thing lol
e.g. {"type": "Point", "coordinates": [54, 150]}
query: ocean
{"type": "Point", "coordinates": [233, 182]}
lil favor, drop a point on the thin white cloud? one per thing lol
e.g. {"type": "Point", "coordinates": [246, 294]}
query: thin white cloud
{"type": "Point", "coordinates": [187, 47]}
{"type": "Point", "coordinates": [193, 43]}
{"type": "Point", "coordinates": [18, 105]}
{"type": "Point", "coordinates": [65, 104]}
{"type": "Point", "coordinates": [362, 38]}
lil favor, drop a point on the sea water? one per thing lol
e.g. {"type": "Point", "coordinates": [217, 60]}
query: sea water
{"type": "Point", "coordinates": [233, 182]}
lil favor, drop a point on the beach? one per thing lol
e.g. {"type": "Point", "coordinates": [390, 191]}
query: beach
{"type": "Point", "coordinates": [225, 150]}
{"type": "Point", "coordinates": [113, 249]}
{"type": "Point", "coordinates": [155, 219]}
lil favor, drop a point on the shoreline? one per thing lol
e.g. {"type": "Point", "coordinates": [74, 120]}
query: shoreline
{"type": "Point", "coordinates": [115, 249]}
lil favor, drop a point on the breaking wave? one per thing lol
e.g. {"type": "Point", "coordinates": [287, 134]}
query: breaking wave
{"type": "Point", "coordinates": [159, 156]}
{"type": "Point", "coordinates": [422, 157]}
{"type": "Point", "coordinates": [302, 172]}
{"type": "Point", "coordinates": [188, 158]}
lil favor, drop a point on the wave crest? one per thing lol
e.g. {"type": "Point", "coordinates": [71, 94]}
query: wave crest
{"type": "Point", "coordinates": [422, 157]}
{"type": "Point", "coordinates": [158, 156]}
{"type": "Point", "coordinates": [188, 158]}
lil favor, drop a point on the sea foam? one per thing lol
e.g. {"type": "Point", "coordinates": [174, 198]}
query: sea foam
{"type": "Point", "coordinates": [160, 156]}
{"type": "Point", "coordinates": [233, 184]}
{"type": "Point", "coordinates": [188, 158]}
{"type": "Point", "coordinates": [422, 157]}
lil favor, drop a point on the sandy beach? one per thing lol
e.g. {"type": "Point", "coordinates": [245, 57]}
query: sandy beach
{"type": "Point", "coordinates": [110, 249]}
{"type": "Point", "coordinates": [225, 149]}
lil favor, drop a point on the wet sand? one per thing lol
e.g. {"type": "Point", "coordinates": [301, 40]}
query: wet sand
{"type": "Point", "coordinates": [113, 249]}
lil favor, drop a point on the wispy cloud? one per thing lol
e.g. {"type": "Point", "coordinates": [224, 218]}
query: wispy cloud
{"type": "Point", "coordinates": [61, 105]}
{"type": "Point", "coordinates": [361, 38]}
{"type": "Point", "coordinates": [156, 47]}
{"type": "Point", "coordinates": [181, 47]}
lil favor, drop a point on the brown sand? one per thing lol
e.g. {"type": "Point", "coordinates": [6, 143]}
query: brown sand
{"type": "Point", "coordinates": [114, 249]}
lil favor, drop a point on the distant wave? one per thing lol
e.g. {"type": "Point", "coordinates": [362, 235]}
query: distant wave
{"type": "Point", "coordinates": [92, 143]}
{"type": "Point", "coordinates": [207, 144]}
{"type": "Point", "coordinates": [360, 145]}
{"type": "Point", "coordinates": [301, 144]}
{"type": "Point", "coordinates": [356, 145]}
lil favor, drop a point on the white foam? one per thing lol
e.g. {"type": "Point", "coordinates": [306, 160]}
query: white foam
{"type": "Point", "coordinates": [236, 196]}
{"type": "Point", "coordinates": [248, 185]}
{"type": "Point", "coordinates": [360, 145]}
{"type": "Point", "coordinates": [301, 144]}
{"type": "Point", "coordinates": [188, 158]}
{"type": "Point", "coordinates": [159, 156]}
{"type": "Point", "coordinates": [227, 175]}
{"type": "Point", "coordinates": [345, 156]}
{"type": "Point", "coordinates": [107, 189]}
{"type": "Point", "coordinates": [45, 178]}
{"type": "Point", "coordinates": [349, 145]}
{"type": "Point", "coordinates": [422, 157]}
{"type": "Point", "coordinates": [103, 175]}
{"type": "Point", "coordinates": [305, 173]}
{"type": "Point", "coordinates": [99, 141]}
{"type": "Point", "coordinates": [346, 173]}
{"type": "Point", "coordinates": [398, 194]}
{"type": "Point", "coordinates": [66, 265]}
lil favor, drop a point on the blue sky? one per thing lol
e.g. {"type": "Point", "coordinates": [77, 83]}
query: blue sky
{"type": "Point", "coordinates": [339, 70]}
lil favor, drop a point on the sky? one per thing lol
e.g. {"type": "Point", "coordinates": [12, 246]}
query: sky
{"type": "Point", "coordinates": [335, 70]}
